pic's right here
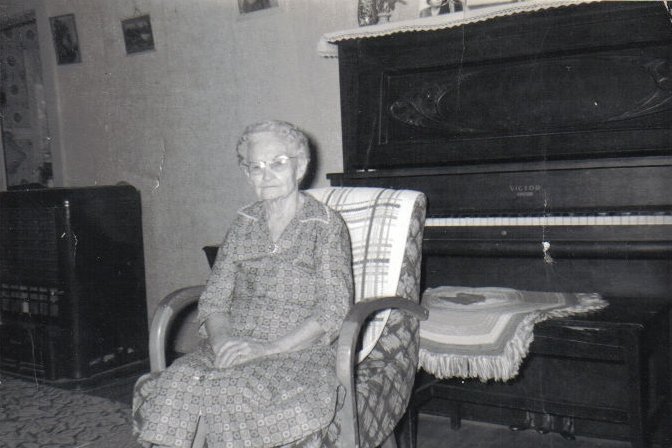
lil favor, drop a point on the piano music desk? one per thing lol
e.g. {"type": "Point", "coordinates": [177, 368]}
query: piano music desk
{"type": "Point", "coordinates": [616, 363]}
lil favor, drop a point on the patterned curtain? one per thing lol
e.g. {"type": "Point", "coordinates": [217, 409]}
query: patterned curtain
{"type": "Point", "coordinates": [25, 133]}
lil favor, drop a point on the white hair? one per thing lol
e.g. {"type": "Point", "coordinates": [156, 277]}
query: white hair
{"type": "Point", "coordinates": [285, 131]}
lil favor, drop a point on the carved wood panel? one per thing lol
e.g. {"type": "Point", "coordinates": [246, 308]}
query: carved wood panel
{"type": "Point", "coordinates": [587, 82]}
{"type": "Point", "coordinates": [552, 95]}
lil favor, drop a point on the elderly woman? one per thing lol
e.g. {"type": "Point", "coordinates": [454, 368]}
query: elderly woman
{"type": "Point", "coordinates": [263, 374]}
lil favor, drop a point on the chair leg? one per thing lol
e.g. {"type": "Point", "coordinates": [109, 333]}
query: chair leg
{"type": "Point", "coordinates": [199, 437]}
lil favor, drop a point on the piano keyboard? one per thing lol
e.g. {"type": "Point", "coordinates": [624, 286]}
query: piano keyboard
{"type": "Point", "coordinates": [564, 220]}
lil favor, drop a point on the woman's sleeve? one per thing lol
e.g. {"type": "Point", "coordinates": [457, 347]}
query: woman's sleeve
{"type": "Point", "coordinates": [216, 298]}
{"type": "Point", "coordinates": [335, 286]}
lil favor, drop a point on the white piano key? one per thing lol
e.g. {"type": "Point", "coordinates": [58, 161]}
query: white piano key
{"type": "Point", "coordinates": [552, 220]}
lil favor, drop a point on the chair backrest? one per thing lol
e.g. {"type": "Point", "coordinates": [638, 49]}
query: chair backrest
{"type": "Point", "coordinates": [378, 221]}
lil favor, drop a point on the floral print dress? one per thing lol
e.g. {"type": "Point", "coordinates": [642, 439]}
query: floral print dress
{"type": "Point", "coordinates": [267, 289]}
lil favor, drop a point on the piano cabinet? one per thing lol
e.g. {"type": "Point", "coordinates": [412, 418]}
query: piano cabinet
{"type": "Point", "coordinates": [542, 142]}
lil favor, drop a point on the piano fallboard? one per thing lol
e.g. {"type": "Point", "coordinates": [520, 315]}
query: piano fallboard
{"type": "Point", "coordinates": [544, 188]}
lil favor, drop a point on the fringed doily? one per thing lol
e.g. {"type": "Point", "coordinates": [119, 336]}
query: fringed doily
{"type": "Point", "coordinates": [485, 333]}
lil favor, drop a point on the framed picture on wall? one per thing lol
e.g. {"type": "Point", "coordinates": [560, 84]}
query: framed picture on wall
{"type": "Point", "coordinates": [138, 35]}
{"type": "Point", "coordinates": [429, 8]}
{"type": "Point", "coordinates": [66, 42]}
{"type": "Point", "coordinates": [248, 6]}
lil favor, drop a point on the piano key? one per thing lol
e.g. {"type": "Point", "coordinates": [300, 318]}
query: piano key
{"type": "Point", "coordinates": [552, 220]}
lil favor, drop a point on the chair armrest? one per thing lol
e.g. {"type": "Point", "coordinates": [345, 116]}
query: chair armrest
{"type": "Point", "coordinates": [345, 355]}
{"type": "Point", "coordinates": [165, 313]}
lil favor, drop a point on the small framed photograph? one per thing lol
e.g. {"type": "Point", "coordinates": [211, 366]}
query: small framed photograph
{"type": "Point", "coordinates": [138, 35]}
{"type": "Point", "coordinates": [429, 8]}
{"type": "Point", "coordinates": [248, 6]}
{"type": "Point", "coordinates": [66, 42]}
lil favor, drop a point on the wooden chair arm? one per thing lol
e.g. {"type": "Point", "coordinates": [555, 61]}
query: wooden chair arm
{"type": "Point", "coordinates": [346, 352]}
{"type": "Point", "coordinates": [165, 313]}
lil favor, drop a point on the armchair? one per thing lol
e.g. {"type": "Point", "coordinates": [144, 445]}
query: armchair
{"type": "Point", "coordinates": [377, 353]}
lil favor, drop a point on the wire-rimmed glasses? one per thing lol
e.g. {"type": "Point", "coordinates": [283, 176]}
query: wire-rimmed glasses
{"type": "Point", "coordinates": [277, 165]}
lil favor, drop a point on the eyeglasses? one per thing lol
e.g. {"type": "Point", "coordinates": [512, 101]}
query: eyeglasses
{"type": "Point", "coordinates": [277, 165]}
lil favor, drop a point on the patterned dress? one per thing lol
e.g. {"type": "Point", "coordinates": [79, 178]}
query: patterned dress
{"type": "Point", "coordinates": [267, 289]}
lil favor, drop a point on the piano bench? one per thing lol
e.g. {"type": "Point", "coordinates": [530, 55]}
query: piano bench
{"type": "Point", "coordinates": [604, 374]}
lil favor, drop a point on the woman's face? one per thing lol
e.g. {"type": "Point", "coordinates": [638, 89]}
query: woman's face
{"type": "Point", "coordinates": [273, 180]}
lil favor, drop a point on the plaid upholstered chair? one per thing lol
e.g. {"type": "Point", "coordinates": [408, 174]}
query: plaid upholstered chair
{"type": "Point", "coordinates": [377, 353]}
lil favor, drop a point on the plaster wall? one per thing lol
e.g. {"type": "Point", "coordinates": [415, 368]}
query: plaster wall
{"type": "Point", "coordinates": [166, 121]}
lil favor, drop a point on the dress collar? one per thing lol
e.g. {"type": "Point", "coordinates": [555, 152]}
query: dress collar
{"type": "Point", "coordinates": [311, 210]}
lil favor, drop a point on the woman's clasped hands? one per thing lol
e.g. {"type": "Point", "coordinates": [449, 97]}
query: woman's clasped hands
{"type": "Point", "coordinates": [234, 351]}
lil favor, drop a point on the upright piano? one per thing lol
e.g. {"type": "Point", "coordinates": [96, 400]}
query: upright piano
{"type": "Point", "coordinates": [543, 141]}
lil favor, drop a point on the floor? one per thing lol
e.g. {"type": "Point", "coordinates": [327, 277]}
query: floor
{"type": "Point", "coordinates": [435, 431]}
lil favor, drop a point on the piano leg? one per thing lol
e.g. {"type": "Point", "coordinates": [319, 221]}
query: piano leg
{"type": "Point", "coordinates": [407, 429]}
{"type": "Point", "coordinates": [636, 398]}
{"type": "Point", "coordinates": [455, 412]}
